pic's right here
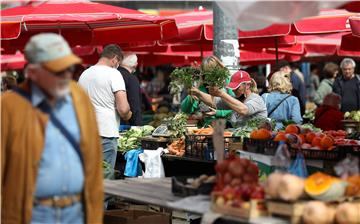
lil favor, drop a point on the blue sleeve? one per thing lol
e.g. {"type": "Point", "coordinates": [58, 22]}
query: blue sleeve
{"type": "Point", "coordinates": [295, 110]}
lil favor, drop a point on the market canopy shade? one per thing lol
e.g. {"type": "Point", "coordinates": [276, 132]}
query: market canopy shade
{"type": "Point", "coordinates": [83, 23]}
{"type": "Point", "coordinates": [12, 62]}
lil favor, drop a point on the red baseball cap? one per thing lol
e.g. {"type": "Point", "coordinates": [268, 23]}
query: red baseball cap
{"type": "Point", "coordinates": [237, 78]}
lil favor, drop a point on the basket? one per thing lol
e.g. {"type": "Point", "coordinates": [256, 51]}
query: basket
{"type": "Point", "coordinates": [179, 188]}
{"type": "Point", "coordinates": [266, 147]}
{"type": "Point", "coordinates": [151, 143]}
{"type": "Point", "coordinates": [202, 147]}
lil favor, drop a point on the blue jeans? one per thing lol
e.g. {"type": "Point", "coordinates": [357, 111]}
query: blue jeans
{"type": "Point", "coordinates": [73, 214]}
{"type": "Point", "coordinates": [109, 146]}
{"type": "Point", "coordinates": [109, 155]}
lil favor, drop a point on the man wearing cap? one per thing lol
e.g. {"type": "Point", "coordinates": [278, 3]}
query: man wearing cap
{"type": "Point", "coordinates": [247, 104]}
{"type": "Point", "coordinates": [132, 85]}
{"type": "Point", "coordinates": [50, 149]}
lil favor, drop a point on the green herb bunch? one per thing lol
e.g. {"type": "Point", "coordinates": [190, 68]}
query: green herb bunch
{"type": "Point", "coordinates": [183, 78]}
{"type": "Point", "coordinates": [177, 125]}
{"type": "Point", "coordinates": [216, 76]}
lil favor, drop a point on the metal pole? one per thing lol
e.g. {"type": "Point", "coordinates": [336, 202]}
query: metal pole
{"type": "Point", "coordinates": [226, 44]}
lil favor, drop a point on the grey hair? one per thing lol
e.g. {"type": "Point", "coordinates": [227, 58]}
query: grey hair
{"type": "Point", "coordinates": [347, 61]}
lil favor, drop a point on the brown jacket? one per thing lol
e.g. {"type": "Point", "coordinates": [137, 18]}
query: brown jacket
{"type": "Point", "coordinates": [22, 142]}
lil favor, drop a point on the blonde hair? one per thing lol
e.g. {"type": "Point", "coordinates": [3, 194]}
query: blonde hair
{"type": "Point", "coordinates": [211, 62]}
{"type": "Point", "coordinates": [280, 81]}
{"type": "Point", "coordinates": [253, 85]}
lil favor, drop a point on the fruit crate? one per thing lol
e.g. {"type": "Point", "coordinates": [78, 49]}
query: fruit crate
{"type": "Point", "coordinates": [266, 147]}
{"type": "Point", "coordinates": [317, 154]}
{"type": "Point", "coordinates": [202, 146]}
{"type": "Point", "coordinates": [248, 210]}
{"type": "Point", "coordinates": [179, 187]}
{"type": "Point", "coordinates": [291, 210]}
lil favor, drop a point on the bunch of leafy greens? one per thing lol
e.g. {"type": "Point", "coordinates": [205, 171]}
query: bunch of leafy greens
{"type": "Point", "coordinates": [132, 138]}
{"type": "Point", "coordinates": [177, 125]}
{"type": "Point", "coordinates": [216, 76]}
{"type": "Point", "coordinates": [253, 124]}
{"type": "Point", "coordinates": [108, 171]}
{"type": "Point", "coordinates": [183, 78]}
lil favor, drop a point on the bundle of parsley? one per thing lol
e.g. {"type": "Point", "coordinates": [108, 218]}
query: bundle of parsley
{"type": "Point", "coordinates": [216, 76]}
{"type": "Point", "coordinates": [183, 78]}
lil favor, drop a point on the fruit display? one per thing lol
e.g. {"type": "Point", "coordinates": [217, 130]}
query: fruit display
{"type": "Point", "coordinates": [353, 115]}
{"type": "Point", "coordinates": [316, 212]}
{"type": "Point", "coordinates": [324, 187]}
{"type": "Point", "coordinates": [284, 186]}
{"type": "Point", "coordinates": [237, 182]}
{"type": "Point", "coordinates": [237, 191]}
{"type": "Point", "coordinates": [353, 188]}
{"type": "Point", "coordinates": [348, 213]}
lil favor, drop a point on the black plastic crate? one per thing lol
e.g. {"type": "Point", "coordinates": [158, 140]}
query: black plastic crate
{"type": "Point", "coordinates": [266, 147]}
{"type": "Point", "coordinates": [151, 143]}
{"type": "Point", "coordinates": [202, 146]}
{"type": "Point", "coordinates": [317, 154]}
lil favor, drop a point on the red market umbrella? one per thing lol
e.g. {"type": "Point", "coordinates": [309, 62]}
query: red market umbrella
{"type": "Point", "coordinates": [350, 46]}
{"type": "Point", "coordinates": [355, 25]}
{"type": "Point", "coordinates": [83, 23]}
{"type": "Point", "coordinates": [328, 21]}
{"type": "Point", "coordinates": [12, 62]}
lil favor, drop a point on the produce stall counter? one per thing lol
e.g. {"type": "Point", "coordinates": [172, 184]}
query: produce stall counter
{"type": "Point", "coordinates": [158, 192]}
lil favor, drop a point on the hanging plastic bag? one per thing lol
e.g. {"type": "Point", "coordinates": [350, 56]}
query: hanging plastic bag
{"type": "Point", "coordinates": [282, 158]}
{"type": "Point", "coordinates": [298, 167]}
{"type": "Point", "coordinates": [347, 167]}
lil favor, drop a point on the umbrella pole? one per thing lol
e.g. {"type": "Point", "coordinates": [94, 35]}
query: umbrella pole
{"type": "Point", "coordinates": [277, 51]}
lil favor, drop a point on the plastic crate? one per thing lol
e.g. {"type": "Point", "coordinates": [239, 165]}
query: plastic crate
{"type": "Point", "coordinates": [317, 154]}
{"type": "Point", "coordinates": [202, 147]}
{"type": "Point", "coordinates": [266, 147]}
{"type": "Point", "coordinates": [151, 143]}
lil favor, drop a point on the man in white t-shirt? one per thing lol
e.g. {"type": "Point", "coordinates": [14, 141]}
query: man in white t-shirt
{"type": "Point", "coordinates": [106, 88]}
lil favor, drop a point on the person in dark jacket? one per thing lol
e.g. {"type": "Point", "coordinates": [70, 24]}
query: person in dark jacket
{"type": "Point", "coordinates": [132, 85]}
{"type": "Point", "coordinates": [297, 81]}
{"type": "Point", "coordinates": [348, 86]}
{"type": "Point", "coordinates": [328, 116]}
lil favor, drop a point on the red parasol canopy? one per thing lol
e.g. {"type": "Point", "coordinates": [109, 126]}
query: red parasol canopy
{"type": "Point", "coordinates": [95, 23]}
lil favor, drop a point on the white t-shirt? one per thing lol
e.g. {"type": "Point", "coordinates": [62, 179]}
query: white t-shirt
{"type": "Point", "coordinates": [101, 82]}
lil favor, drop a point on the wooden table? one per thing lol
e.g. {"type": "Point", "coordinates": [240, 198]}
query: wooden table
{"type": "Point", "coordinates": [157, 191]}
{"type": "Point", "coordinates": [150, 191]}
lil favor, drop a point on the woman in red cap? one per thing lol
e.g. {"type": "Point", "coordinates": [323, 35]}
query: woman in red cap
{"type": "Point", "coordinates": [246, 104]}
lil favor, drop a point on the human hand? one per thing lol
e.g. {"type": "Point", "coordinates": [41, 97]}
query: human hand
{"type": "Point", "coordinates": [194, 92]}
{"type": "Point", "coordinates": [129, 115]}
{"type": "Point", "coordinates": [215, 91]}
{"type": "Point", "coordinates": [212, 112]}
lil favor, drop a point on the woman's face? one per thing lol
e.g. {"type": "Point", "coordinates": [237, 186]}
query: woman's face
{"type": "Point", "coordinates": [240, 91]}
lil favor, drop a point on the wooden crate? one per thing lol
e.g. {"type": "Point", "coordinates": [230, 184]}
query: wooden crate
{"type": "Point", "coordinates": [293, 211]}
{"type": "Point", "coordinates": [249, 210]}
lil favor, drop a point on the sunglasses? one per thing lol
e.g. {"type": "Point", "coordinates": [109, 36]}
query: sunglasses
{"type": "Point", "coordinates": [70, 69]}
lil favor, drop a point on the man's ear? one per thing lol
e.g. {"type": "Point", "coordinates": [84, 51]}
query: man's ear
{"type": "Point", "coordinates": [31, 71]}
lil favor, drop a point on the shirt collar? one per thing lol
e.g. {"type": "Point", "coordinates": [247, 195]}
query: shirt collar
{"type": "Point", "coordinates": [38, 96]}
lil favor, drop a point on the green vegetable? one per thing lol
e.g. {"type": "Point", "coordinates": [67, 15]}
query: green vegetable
{"type": "Point", "coordinates": [177, 125]}
{"type": "Point", "coordinates": [251, 125]}
{"type": "Point", "coordinates": [216, 76]}
{"type": "Point", "coordinates": [184, 77]}
{"type": "Point", "coordinates": [311, 127]}
{"type": "Point", "coordinates": [108, 171]}
{"type": "Point", "coordinates": [353, 115]}
{"type": "Point", "coordinates": [131, 139]}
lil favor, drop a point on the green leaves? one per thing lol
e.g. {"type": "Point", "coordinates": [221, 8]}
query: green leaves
{"type": "Point", "coordinates": [183, 78]}
{"type": "Point", "coordinates": [216, 76]}
{"type": "Point", "coordinates": [131, 138]}
{"type": "Point", "coordinates": [177, 125]}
